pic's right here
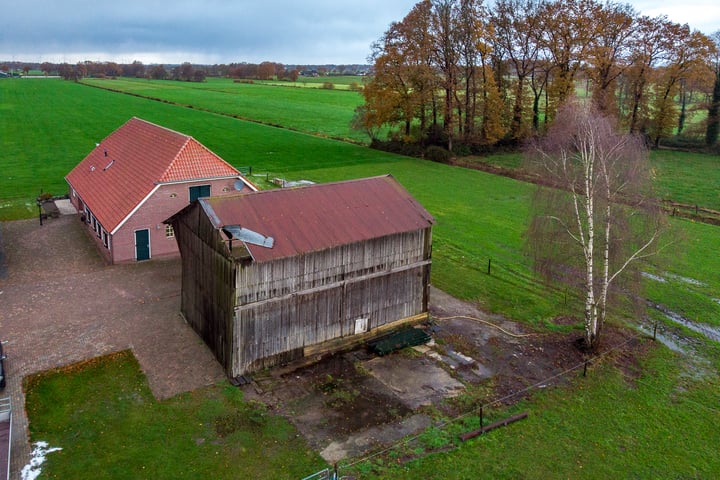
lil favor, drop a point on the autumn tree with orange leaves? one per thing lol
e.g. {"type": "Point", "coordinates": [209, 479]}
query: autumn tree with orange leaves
{"type": "Point", "coordinates": [482, 73]}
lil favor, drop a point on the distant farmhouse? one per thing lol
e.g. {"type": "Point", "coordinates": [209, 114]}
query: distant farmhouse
{"type": "Point", "coordinates": [273, 276]}
{"type": "Point", "coordinates": [136, 178]}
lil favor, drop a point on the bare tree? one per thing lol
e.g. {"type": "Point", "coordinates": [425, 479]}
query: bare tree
{"type": "Point", "coordinates": [595, 217]}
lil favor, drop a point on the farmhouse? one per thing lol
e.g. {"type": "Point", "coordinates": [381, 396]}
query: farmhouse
{"type": "Point", "coordinates": [136, 178]}
{"type": "Point", "coordinates": [272, 276]}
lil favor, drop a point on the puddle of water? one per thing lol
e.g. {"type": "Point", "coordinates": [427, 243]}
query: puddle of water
{"type": "Point", "coordinates": [671, 340]}
{"type": "Point", "coordinates": [652, 276]}
{"type": "Point", "coordinates": [713, 333]}
{"type": "Point", "coordinates": [688, 280]}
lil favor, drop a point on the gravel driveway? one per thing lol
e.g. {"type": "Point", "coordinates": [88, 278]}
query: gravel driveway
{"type": "Point", "coordinates": [60, 304]}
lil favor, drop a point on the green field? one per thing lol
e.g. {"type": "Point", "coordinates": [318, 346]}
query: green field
{"type": "Point", "coordinates": [48, 126]}
{"type": "Point", "coordinates": [312, 110]}
{"type": "Point", "coordinates": [594, 428]}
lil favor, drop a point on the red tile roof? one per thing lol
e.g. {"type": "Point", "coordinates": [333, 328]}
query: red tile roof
{"type": "Point", "coordinates": [317, 217]}
{"type": "Point", "coordinates": [126, 166]}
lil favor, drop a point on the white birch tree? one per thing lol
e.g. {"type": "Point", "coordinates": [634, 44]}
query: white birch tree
{"type": "Point", "coordinates": [593, 217]}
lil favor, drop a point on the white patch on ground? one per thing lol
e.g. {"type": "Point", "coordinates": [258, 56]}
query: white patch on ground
{"type": "Point", "coordinates": [32, 470]}
{"type": "Point", "coordinates": [652, 276]}
{"type": "Point", "coordinates": [690, 281]}
{"type": "Point", "coordinates": [716, 300]}
{"type": "Point", "coordinates": [711, 332]}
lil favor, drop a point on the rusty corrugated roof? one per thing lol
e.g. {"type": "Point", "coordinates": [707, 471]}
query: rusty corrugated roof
{"type": "Point", "coordinates": [127, 165]}
{"type": "Point", "coordinates": [317, 217]}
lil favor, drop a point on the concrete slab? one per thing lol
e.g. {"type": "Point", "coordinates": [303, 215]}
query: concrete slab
{"type": "Point", "coordinates": [416, 382]}
{"type": "Point", "coordinates": [65, 207]}
{"type": "Point", "coordinates": [371, 438]}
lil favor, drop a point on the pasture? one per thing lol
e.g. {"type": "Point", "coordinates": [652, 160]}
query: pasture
{"type": "Point", "coordinates": [593, 428]}
{"type": "Point", "coordinates": [316, 111]}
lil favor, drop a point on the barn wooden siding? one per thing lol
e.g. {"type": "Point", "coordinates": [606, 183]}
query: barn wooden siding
{"type": "Point", "coordinates": [287, 305]}
{"type": "Point", "coordinates": [208, 281]}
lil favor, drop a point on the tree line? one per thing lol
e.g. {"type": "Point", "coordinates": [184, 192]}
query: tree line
{"type": "Point", "coordinates": [185, 72]}
{"type": "Point", "coordinates": [464, 75]}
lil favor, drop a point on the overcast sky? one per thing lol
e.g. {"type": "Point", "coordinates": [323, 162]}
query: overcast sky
{"type": "Point", "coordinates": [224, 31]}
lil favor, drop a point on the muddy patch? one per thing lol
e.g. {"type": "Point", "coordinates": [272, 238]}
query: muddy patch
{"type": "Point", "coordinates": [355, 402]}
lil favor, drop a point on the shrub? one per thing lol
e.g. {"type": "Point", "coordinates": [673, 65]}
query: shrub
{"type": "Point", "coordinates": [398, 146]}
{"type": "Point", "coordinates": [328, 85]}
{"type": "Point", "coordinates": [438, 154]}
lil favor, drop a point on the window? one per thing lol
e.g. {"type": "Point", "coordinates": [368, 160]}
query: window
{"type": "Point", "coordinates": [106, 241]}
{"type": "Point", "coordinates": [199, 191]}
{"type": "Point", "coordinates": [169, 232]}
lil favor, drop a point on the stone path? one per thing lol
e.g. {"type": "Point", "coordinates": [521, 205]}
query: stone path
{"type": "Point", "coordinates": [60, 304]}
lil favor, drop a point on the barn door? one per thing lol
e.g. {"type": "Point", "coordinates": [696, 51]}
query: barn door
{"type": "Point", "coordinates": [142, 244]}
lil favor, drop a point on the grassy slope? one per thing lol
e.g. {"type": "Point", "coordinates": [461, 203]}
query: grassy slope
{"type": "Point", "coordinates": [479, 216]}
{"type": "Point", "coordinates": [691, 178]}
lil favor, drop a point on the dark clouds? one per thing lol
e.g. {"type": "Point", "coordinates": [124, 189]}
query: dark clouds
{"type": "Point", "coordinates": [214, 31]}
{"type": "Point", "coordinates": [223, 31]}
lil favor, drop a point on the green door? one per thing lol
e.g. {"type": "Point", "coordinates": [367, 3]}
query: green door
{"type": "Point", "coordinates": [199, 191]}
{"type": "Point", "coordinates": [142, 244]}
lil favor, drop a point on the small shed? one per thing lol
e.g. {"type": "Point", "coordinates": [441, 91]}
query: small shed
{"type": "Point", "coordinates": [276, 275]}
{"type": "Point", "coordinates": [137, 177]}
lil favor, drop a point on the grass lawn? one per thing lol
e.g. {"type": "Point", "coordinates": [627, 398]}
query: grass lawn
{"type": "Point", "coordinates": [104, 417]}
{"type": "Point", "coordinates": [690, 178]}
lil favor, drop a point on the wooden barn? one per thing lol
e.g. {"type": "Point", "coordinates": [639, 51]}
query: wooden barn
{"type": "Point", "coordinates": [137, 177]}
{"type": "Point", "coordinates": [272, 276]}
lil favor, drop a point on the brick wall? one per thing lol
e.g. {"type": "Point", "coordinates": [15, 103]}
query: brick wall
{"type": "Point", "coordinates": [163, 203]}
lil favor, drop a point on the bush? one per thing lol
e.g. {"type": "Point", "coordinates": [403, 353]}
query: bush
{"type": "Point", "coordinates": [398, 146]}
{"type": "Point", "coordinates": [462, 149]}
{"type": "Point", "coordinates": [328, 85]}
{"type": "Point", "coordinates": [438, 154]}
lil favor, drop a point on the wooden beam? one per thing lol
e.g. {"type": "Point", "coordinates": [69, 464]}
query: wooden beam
{"type": "Point", "coordinates": [333, 285]}
{"type": "Point", "coordinates": [350, 341]}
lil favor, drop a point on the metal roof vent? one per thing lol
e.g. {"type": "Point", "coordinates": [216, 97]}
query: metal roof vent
{"type": "Point", "coordinates": [236, 232]}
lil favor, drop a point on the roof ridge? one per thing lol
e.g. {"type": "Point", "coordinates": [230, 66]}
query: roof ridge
{"type": "Point", "coordinates": [160, 126]}
{"type": "Point", "coordinates": [202, 145]}
{"type": "Point", "coordinates": [315, 185]}
{"type": "Point", "coordinates": [175, 158]}
{"type": "Point", "coordinates": [189, 142]}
